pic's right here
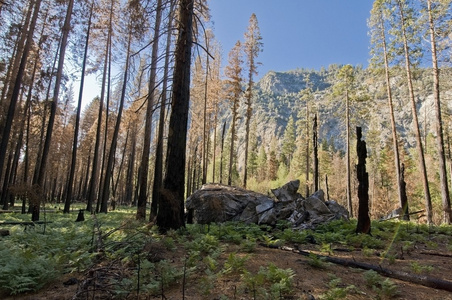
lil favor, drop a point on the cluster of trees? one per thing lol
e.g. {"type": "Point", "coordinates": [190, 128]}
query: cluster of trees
{"type": "Point", "coordinates": [51, 150]}
{"type": "Point", "coordinates": [397, 29]}
{"type": "Point", "coordinates": [141, 140]}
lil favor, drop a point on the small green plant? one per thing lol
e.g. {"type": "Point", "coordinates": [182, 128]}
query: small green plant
{"type": "Point", "coordinates": [368, 252]}
{"type": "Point", "coordinates": [388, 289]}
{"type": "Point", "coordinates": [418, 268]}
{"type": "Point", "coordinates": [235, 264]}
{"type": "Point", "coordinates": [207, 283]}
{"type": "Point", "coordinates": [432, 244]}
{"type": "Point", "coordinates": [270, 282]}
{"type": "Point", "coordinates": [271, 242]}
{"type": "Point", "coordinates": [316, 261]}
{"type": "Point", "coordinates": [335, 289]}
{"type": "Point", "coordinates": [326, 248]}
{"type": "Point", "coordinates": [384, 288]}
{"type": "Point", "coordinates": [283, 225]}
{"type": "Point", "coordinates": [248, 245]}
{"type": "Point", "coordinates": [281, 280]}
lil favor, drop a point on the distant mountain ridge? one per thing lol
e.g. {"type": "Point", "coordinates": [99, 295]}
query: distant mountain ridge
{"type": "Point", "coordinates": [277, 97]}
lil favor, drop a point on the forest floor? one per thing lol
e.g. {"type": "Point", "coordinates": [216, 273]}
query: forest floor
{"type": "Point", "coordinates": [311, 277]}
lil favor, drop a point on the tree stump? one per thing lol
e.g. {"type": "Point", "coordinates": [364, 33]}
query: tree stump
{"type": "Point", "coordinates": [363, 225]}
{"type": "Point", "coordinates": [81, 216]}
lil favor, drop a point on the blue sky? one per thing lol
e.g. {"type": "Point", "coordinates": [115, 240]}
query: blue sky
{"type": "Point", "coordinates": [297, 33]}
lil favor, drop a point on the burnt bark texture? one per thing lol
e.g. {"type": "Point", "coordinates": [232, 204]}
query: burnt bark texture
{"type": "Point", "coordinates": [363, 225]}
{"type": "Point", "coordinates": [171, 205]}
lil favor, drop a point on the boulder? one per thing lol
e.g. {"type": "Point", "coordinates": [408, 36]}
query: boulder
{"type": "Point", "coordinates": [288, 192]}
{"type": "Point", "coordinates": [220, 203]}
{"type": "Point", "coordinates": [215, 203]}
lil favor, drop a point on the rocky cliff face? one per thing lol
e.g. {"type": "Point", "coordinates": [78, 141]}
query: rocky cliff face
{"type": "Point", "coordinates": [277, 98]}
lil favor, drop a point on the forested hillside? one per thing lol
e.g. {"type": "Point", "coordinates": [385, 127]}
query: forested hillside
{"type": "Point", "coordinates": [280, 122]}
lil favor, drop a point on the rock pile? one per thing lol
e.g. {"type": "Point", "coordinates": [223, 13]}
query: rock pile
{"type": "Point", "coordinates": [215, 203]}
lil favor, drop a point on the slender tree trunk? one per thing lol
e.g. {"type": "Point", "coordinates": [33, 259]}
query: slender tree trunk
{"type": "Point", "coordinates": [171, 206]}
{"type": "Point", "coordinates": [221, 153]}
{"type": "Point", "coordinates": [14, 62]}
{"type": "Point", "coordinates": [439, 123]}
{"type": "Point", "coordinates": [419, 147]}
{"type": "Point", "coordinates": [70, 183]}
{"type": "Point", "coordinates": [403, 202]}
{"type": "Point", "coordinates": [349, 182]}
{"type": "Point", "coordinates": [107, 111]}
{"type": "Point", "coordinates": [158, 166]}
{"type": "Point", "coordinates": [94, 181]}
{"type": "Point", "coordinates": [214, 147]}
{"type": "Point", "coordinates": [17, 86]}
{"type": "Point", "coordinates": [143, 195]}
{"type": "Point", "coordinates": [316, 155]}
{"type": "Point", "coordinates": [114, 140]}
{"type": "Point", "coordinates": [53, 106]}
{"type": "Point", "coordinates": [307, 149]}
{"type": "Point", "coordinates": [131, 166]}
{"type": "Point", "coordinates": [249, 113]}
{"type": "Point", "coordinates": [205, 135]}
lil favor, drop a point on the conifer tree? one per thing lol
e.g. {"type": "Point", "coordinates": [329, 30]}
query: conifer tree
{"type": "Point", "coordinates": [233, 73]}
{"type": "Point", "coordinates": [288, 143]}
{"type": "Point", "coordinates": [407, 35]}
{"type": "Point", "coordinates": [436, 11]}
{"type": "Point", "coordinates": [345, 87]}
{"type": "Point", "coordinates": [381, 56]}
{"type": "Point", "coordinates": [53, 108]}
{"type": "Point", "coordinates": [252, 47]}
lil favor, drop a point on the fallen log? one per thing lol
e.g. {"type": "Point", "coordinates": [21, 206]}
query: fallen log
{"type": "Point", "coordinates": [427, 281]}
{"type": "Point", "coordinates": [24, 223]}
{"type": "Point", "coordinates": [435, 254]}
{"type": "Point", "coordinates": [400, 216]}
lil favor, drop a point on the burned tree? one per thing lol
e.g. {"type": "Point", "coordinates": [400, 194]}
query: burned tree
{"type": "Point", "coordinates": [363, 225]}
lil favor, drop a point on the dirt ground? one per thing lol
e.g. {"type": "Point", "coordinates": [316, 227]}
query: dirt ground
{"type": "Point", "coordinates": [309, 282]}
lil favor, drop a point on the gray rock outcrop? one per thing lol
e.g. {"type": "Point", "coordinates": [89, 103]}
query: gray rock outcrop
{"type": "Point", "coordinates": [215, 203]}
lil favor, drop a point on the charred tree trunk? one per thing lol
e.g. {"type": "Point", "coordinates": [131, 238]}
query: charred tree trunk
{"type": "Point", "coordinates": [316, 154]}
{"type": "Point", "coordinates": [53, 108]}
{"type": "Point", "coordinates": [111, 155]}
{"type": "Point", "coordinates": [326, 188]}
{"type": "Point", "coordinates": [17, 87]}
{"type": "Point", "coordinates": [171, 204]}
{"type": "Point", "coordinates": [221, 153]}
{"type": "Point", "coordinates": [143, 195]}
{"type": "Point", "coordinates": [363, 225]}
{"type": "Point", "coordinates": [70, 183]}
{"type": "Point", "coordinates": [403, 196]}
{"type": "Point", "coordinates": [158, 166]}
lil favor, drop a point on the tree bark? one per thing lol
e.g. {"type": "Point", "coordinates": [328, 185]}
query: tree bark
{"type": "Point", "coordinates": [53, 107]}
{"type": "Point", "coordinates": [158, 165]}
{"type": "Point", "coordinates": [143, 195]}
{"type": "Point", "coordinates": [114, 140]}
{"type": "Point", "coordinates": [364, 224]}
{"type": "Point", "coordinates": [17, 85]}
{"type": "Point", "coordinates": [401, 185]}
{"type": "Point", "coordinates": [171, 206]}
{"type": "Point", "coordinates": [439, 123]}
{"type": "Point", "coordinates": [349, 182]}
{"type": "Point", "coordinates": [419, 147]}
{"type": "Point", "coordinates": [70, 183]}
{"type": "Point", "coordinates": [315, 145]}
